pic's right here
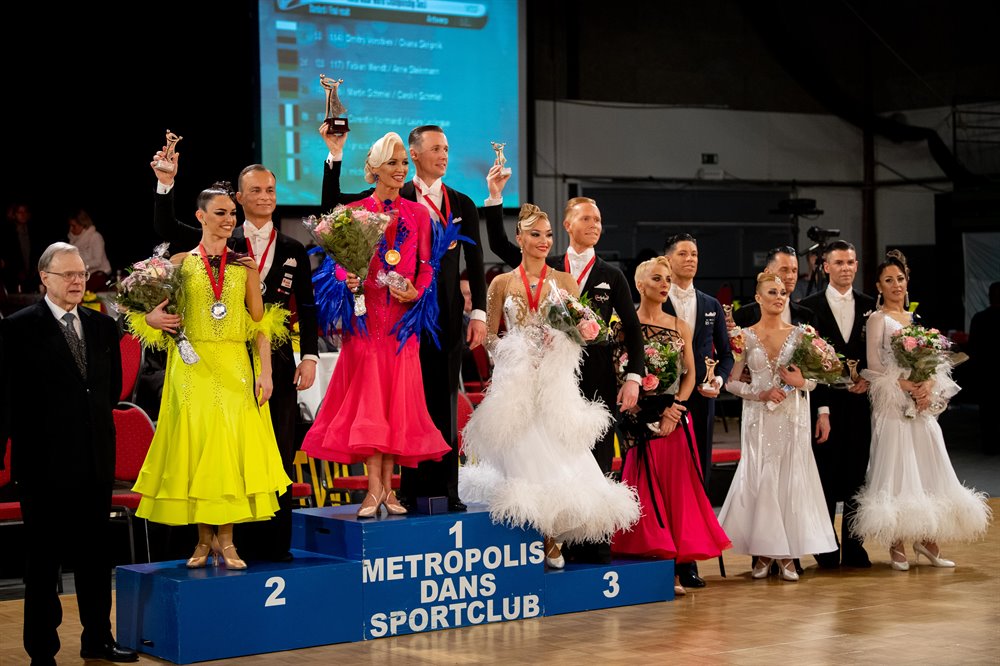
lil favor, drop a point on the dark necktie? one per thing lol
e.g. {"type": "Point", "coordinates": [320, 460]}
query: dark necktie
{"type": "Point", "coordinates": [75, 343]}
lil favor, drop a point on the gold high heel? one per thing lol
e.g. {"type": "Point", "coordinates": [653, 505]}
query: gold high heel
{"type": "Point", "coordinates": [370, 505]}
{"type": "Point", "coordinates": [392, 504]}
{"type": "Point", "coordinates": [199, 561]}
{"type": "Point", "coordinates": [233, 562]}
{"type": "Point", "coordinates": [553, 554]}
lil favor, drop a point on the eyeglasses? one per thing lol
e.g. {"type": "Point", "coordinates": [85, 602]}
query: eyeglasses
{"type": "Point", "coordinates": [69, 276]}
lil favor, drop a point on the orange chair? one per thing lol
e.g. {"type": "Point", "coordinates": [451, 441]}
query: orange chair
{"type": "Point", "coordinates": [482, 369]}
{"type": "Point", "coordinates": [133, 434]}
{"type": "Point", "coordinates": [132, 356]}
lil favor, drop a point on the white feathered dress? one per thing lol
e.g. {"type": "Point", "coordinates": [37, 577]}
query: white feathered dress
{"type": "Point", "coordinates": [911, 492]}
{"type": "Point", "coordinates": [529, 442]}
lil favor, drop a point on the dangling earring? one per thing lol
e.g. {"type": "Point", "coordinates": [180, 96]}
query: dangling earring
{"type": "Point", "coordinates": [906, 303]}
{"type": "Point", "coordinates": [878, 301]}
{"type": "Point", "coordinates": [376, 177]}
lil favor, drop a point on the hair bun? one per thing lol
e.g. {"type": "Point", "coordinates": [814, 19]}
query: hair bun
{"type": "Point", "coordinates": [768, 276]}
{"type": "Point", "coordinates": [898, 256]}
{"type": "Point", "coordinates": [528, 211]}
{"type": "Point", "coordinates": [223, 185]}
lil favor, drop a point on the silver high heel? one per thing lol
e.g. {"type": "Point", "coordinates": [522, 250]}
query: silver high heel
{"type": "Point", "coordinates": [936, 560]}
{"type": "Point", "coordinates": [788, 571]}
{"type": "Point", "coordinates": [762, 567]}
{"type": "Point", "coordinates": [897, 565]}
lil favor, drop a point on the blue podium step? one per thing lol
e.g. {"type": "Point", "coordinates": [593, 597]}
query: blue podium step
{"type": "Point", "coordinates": [187, 615]}
{"type": "Point", "coordinates": [423, 573]}
{"type": "Point", "coordinates": [583, 587]}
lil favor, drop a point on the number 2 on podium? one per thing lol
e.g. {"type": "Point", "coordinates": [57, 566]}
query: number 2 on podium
{"type": "Point", "coordinates": [275, 598]}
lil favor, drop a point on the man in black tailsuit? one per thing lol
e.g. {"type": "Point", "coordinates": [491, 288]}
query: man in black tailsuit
{"type": "Point", "coordinates": [286, 278]}
{"type": "Point", "coordinates": [704, 314]}
{"type": "Point", "coordinates": [440, 367]}
{"type": "Point", "coordinates": [608, 291]}
{"type": "Point", "coordinates": [840, 313]}
{"type": "Point", "coordinates": [60, 379]}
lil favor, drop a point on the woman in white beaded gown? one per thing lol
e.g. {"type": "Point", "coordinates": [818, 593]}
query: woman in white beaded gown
{"type": "Point", "coordinates": [775, 507]}
{"type": "Point", "coordinates": [911, 494]}
{"type": "Point", "coordinates": [529, 442]}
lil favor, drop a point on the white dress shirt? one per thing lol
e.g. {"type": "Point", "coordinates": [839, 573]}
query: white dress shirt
{"type": "Point", "coordinates": [59, 313]}
{"type": "Point", "coordinates": [842, 306]}
{"type": "Point", "coordinates": [578, 264]}
{"type": "Point", "coordinates": [90, 243]}
{"type": "Point", "coordinates": [685, 303]}
{"type": "Point", "coordinates": [786, 314]}
{"type": "Point", "coordinates": [258, 240]}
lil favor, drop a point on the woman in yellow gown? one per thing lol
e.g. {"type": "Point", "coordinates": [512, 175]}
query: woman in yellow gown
{"type": "Point", "coordinates": [214, 460]}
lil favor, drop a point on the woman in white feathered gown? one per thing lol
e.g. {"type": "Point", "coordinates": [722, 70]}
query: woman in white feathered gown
{"type": "Point", "coordinates": [529, 442]}
{"type": "Point", "coordinates": [911, 494]}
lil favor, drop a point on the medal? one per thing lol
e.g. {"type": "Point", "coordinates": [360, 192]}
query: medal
{"type": "Point", "coordinates": [218, 309]}
{"type": "Point", "coordinates": [453, 245]}
{"type": "Point", "coordinates": [533, 301]}
{"type": "Point", "coordinates": [263, 288]}
{"type": "Point", "coordinates": [392, 257]}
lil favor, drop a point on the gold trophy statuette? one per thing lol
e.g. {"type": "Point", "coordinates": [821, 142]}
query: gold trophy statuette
{"type": "Point", "coordinates": [336, 113]}
{"type": "Point", "coordinates": [167, 165]}
{"type": "Point", "coordinates": [852, 366]}
{"type": "Point", "coordinates": [501, 160]}
{"type": "Point", "coordinates": [709, 383]}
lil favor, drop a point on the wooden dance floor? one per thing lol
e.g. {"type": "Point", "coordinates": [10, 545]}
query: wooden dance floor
{"type": "Point", "coordinates": [873, 616]}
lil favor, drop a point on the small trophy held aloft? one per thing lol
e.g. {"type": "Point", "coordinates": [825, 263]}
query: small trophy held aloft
{"type": "Point", "coordinates": [501, 160]}
{"type": "Point", "coordinates": [709, 383]}
{"type": "Point", "coordinates": [336, 113]}
{"type": "Point", "coordinates": [166, 165]}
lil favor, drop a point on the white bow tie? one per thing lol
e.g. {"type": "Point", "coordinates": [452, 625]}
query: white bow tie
{"type": "Point", "coordinates": [254, 233]}
{"type": "Point", "coordinates": [843, 298]}
{"type": "Point", "coordinates": [683, 294]}
{"type": "Point", "coordinates": [432, 191]}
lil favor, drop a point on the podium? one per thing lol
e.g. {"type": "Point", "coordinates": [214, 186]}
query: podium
{"type": "Point", "coordinates": [364, 579]}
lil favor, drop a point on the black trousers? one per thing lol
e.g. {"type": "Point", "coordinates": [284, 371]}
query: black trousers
{"type": "Point", "coordinates": [440, 371]}
{"type": "Point", "coordinates": [271, 539]}
{"type": "Point", "coordinates": [703, 423]}
{"type": "Point", "coordinates": [69, 527]}
{"type": "Point", "coordinates": [842, 461]}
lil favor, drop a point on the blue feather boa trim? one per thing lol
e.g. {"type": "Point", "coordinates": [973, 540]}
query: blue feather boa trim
{"type": "Point", "coordinates": [334, 301]}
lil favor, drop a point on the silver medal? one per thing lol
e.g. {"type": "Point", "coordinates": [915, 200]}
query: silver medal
{"type": "Point", "coordinates": [219, 310]}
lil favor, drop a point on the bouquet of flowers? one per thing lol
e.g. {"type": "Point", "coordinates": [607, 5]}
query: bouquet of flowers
{"type": "Point", "coordinates": [663, 363]}
{"type": "Point", "coordinates": [150, 282]}
{"type": "Point", "coordinates": [736, 342]}
{"type": "Point", "coordinates": [816, 358]}
{"type": "Point", "coordinates": [574, 316]}
{"type": "Point", "coordinates": [920, 350]}
{"type": "Point", "coordinates": [350, 236]}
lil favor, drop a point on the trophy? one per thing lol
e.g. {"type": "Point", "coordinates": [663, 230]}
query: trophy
{"type": "Point", "coordinates": [501, 160]}
{"type": "Point", "coordinates": [709, 383]}
{"type": "Point", "coordinates": [166, 165]}
{"type": "Point", "coordinates": [852, 366]}
{"type": "Point", "coordinates": [336, 121]}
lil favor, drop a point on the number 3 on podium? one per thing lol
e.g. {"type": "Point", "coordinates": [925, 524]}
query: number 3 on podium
{"type": "Point", "coordinates": [613, 587]}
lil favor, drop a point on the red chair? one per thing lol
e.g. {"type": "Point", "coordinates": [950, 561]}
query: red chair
{"type": "Point", "coordinates": [132, 355]}
{"type": "Point", "coordinates": [463, 416]}
{"type": "Point", "coordinates": [482, 369]}
{"type": "Point", "coordinates": [10, 512]}
{"type": "Point", "coordinates": [133, 434]}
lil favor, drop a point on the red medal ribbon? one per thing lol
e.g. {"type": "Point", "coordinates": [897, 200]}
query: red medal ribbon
{"type": "Point", "coordinates": [444, 219]}
{"type": "Point", "coordinates": [263, 257]}
{"type": "Point", "coordinates": [533, 302]}
{"type": "Point", "coordinates": [216, 286]}
{"type": "Point", "coordinates": [390, 241]}
{"type": "Point", "coordinates": [590, 264]}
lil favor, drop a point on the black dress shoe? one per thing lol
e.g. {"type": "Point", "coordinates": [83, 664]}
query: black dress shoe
{"type": "Point", "coordinates": [280, 557]}
{"type": "Point", "coordinates": [691, 580]}
{"type": "Point", "coordinates": [828, 560]}
{"type": "Point", "coordinates": [455, 504]}
{"type": "Point", "coordinates": [110, 651]}
{"type": "Point", "coordinates": [857, 562]}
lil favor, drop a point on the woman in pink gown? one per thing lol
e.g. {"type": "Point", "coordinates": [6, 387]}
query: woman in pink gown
{"type": "Point", "coordinates": [677, 519]}
{"type": "Point", "coordinates": [374, 410]}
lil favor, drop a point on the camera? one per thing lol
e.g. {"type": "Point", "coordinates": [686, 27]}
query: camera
{"type": "Point", "coordinates": [821, 235]}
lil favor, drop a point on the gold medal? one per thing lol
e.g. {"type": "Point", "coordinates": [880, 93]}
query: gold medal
{"type": "Point", "coordinates": [453, 245]}
{"type": "Point", "coordinates": [392, 257]}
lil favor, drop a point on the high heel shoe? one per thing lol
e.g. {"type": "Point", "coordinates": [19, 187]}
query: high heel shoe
{"type": "Point", "coordinates": [761, 568]}
{"type": "Point", "coordinates": [199, 561]}
{"type": "Point", "coordinates": [553, 554]}
{"type": "Point", "coordinates": [679, 590]}
{"type": "Point", "coordinates": [787, 568]}
{"type": "Point", "coordinates": [896, 564]}
{"type": "Point", "coordinates": [232, 562]}
{"type": "Point", "coordinates": [371, 505]}
{"type": "Point", "coordinates": [392, 504]}
{"type": "Point", "coordinates": [938, 561]}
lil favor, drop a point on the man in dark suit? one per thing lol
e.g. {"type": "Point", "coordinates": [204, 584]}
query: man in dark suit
{"type": "Point", "coordinates": [840, 314]}
{"type": "Point", "coordinates": [440, 367]}
{"type": "Point", "coordinates": [286, 280]}
{"type": "Point", "coordinates": [608, 290]}
{"type": "Point", "coordinates": [783, 261]}
{"type": "Point", "coordinates": [61, 376]}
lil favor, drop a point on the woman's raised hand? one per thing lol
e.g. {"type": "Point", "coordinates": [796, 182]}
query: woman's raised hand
{"type": "Point", "coordinates": [166, 178]}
